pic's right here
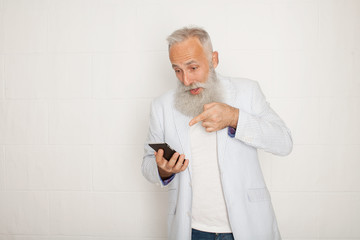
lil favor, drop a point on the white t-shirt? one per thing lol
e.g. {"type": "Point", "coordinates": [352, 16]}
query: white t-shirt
{"type": "Point", "coordinates": [209, 212]}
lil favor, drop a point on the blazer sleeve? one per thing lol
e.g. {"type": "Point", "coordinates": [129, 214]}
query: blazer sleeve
{"type": "Point", "coordinates": [262, 128]}
{"type": "Point", "coordinates": [155, 135]}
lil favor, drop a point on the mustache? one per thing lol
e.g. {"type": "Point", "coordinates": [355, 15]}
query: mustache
{"type": "Point", "coordinates": [193, 86]}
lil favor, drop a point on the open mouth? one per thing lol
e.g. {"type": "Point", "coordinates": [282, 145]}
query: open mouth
{"type": "Point", "coordinates": [195, 91]}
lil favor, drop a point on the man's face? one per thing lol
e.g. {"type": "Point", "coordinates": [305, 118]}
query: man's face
{"type": "Point", "coordinates": [190, 63]}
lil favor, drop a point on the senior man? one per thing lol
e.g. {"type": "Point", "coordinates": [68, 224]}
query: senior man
{"type": "Point", "coordinates": [216, 124]}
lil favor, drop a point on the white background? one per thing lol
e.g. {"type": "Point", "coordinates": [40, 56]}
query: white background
{"type": "Point", "coordinates": [76, 81]}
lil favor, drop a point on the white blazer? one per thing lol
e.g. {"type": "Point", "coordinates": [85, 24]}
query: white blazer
{"type": "Point", "coordinates": [247, 198]}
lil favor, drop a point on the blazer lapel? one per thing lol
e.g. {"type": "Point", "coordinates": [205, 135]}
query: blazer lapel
{"type": "Point", "coordinates": [229, 99]}
{"type": "Point", "coordinates": [183, 128]}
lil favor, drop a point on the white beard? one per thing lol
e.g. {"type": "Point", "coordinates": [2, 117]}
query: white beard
{"type": "Point", "coordinates": [192, 105]}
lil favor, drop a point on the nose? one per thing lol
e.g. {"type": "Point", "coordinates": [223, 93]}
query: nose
{"type": "Point", "coordinates": [186, 80]}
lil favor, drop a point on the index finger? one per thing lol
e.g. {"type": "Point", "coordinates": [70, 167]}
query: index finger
{"type": "Point", "coordinates": [202, 116]}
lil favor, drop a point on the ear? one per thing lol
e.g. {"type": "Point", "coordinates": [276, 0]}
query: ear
{"type": "Point", "coordinates": [215, 59]}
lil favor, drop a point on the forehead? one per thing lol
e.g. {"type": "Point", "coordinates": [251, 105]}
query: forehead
{"type": "Point", "coordinates": [188, 50]}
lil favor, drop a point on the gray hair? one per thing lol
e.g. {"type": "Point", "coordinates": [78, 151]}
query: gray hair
{"type": "Point", "coordinates": [185, 33]}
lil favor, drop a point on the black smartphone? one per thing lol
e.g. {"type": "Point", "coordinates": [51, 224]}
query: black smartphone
{"type": "Point", "coordinates": [168, 151]}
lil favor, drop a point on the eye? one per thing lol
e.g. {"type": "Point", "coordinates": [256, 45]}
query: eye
{"type": "Point", "coordinates": [177, 70]}
{"type": "Point", "coordinates": [193, 68]}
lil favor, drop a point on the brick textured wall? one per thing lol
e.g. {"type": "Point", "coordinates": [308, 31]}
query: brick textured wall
{"type": "Point", "coordinates": [76, 81]}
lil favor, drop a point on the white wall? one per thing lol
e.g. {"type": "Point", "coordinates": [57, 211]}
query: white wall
{"type": "Point", "coordinates": [76, 81]}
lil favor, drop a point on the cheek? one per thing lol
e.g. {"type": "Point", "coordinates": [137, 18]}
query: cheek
{"type": "Point", "coordinates": [202, 76]}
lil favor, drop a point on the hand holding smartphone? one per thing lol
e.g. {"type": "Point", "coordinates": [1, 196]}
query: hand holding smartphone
{"type": "Point", "coordinates": [168, 168]}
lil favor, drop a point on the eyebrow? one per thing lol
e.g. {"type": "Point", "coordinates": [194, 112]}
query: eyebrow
{"type": "Point", "coordinates": [191, 62]}
{"type": "Point", "coordinates": [187, 64]}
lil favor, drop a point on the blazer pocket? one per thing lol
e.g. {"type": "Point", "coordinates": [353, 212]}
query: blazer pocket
{"type": "Point", "coordinates": [258, 195]}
